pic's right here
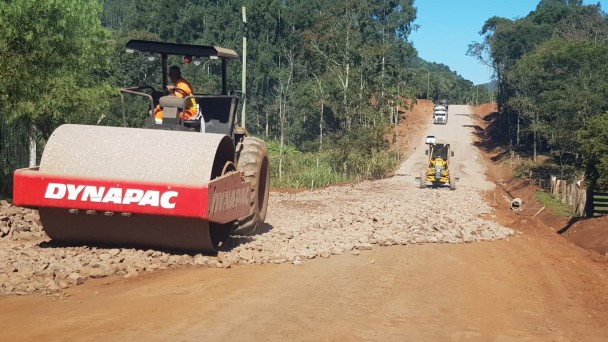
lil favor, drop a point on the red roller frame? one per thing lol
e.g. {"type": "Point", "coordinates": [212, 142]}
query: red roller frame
{"type": "Point", "coordinates": [222, 200]}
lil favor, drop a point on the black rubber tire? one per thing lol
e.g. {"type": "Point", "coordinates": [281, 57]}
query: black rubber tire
{"type": "Point", "coordinates": [253, 161]}
{"type": "Point", "coordinates": [452, 181]}
{"type": "Point", "coordinates": [422, 184]}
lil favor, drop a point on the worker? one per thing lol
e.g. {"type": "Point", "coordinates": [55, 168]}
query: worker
{"type": "Point", "coordinates": [179, 88]}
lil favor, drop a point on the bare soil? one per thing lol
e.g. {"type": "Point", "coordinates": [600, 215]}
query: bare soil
{"type": "Point", "coordinates": [534, 285]}
{"type": "Point", "coordinates": [588, 233]}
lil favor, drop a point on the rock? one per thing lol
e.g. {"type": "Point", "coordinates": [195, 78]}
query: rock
{"type": "Point", "coordinates": [24, 273]}
{"type": "Point", "coordinates": [45, 273]}
{"type": "Point", "coordinates": [60, 273]}
{"type": "Point", "coordinates": [52, 286]}
{"type": "Point", "coordinates": [99, 272]}
{"type": "Point", "coordinates": [364, 247]}
{"type": "Point", "coordinates": [131, 272]}
{"type": "Point", "coordinates": [337, 251]}
{"type": "Point", "coordinates": [164, 258]}
{"type": "Point", "coordinates": [246, 254]}
{"type": "Point", "coordinates": [8, 288]}
{"type": "Point", "coordinates": [140, 265]}
{"type": "Point", "coordinates": [200, 260]}
{"type": "Point", "coordinates": [9, 268]}
{"type": "Point", "coordinates": [4, 228]}
{"type": "Point", "coordinates": [75, 279]}
{"type": "Point", "coordinates": [152, 267]}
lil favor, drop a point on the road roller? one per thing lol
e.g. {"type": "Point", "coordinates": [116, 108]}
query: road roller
{"type": "Point", "coordinates": [178, 185]}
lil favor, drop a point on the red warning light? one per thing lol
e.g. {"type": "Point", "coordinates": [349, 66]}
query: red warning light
{"type": "Point", "coordinates": [187, 59]}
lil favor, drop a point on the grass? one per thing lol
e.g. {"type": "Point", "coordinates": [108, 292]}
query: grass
{"type": "Point", "coordinates": [321, 169]}
{"type": "Point", "coordinates": [305, 170]}
{"type": "Point", "coordinates": [555, 206]}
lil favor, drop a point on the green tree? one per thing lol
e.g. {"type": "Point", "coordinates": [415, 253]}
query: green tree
{"type": "Point", "coordinates": [549, 70]}
{"type": "Point", "coordinates": [53, 62]}
{"type": "Point", "coordinates": [595, 150]}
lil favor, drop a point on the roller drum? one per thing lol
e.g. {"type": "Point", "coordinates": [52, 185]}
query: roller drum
{"type": "Point", "coordinates": [142, 155]}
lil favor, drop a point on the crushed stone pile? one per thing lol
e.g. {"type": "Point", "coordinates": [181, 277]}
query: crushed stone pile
{"type": "Point", "coordinates": [300, 227]}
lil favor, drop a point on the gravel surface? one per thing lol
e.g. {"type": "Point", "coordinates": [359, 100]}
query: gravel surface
{"type": "Point", "coordinates": [300, 226]}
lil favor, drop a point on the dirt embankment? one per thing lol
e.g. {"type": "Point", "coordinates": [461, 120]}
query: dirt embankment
{"type": "Point", "coordinates": [412, 126]}
{"type": "Point", "coordinates": [590, 234]}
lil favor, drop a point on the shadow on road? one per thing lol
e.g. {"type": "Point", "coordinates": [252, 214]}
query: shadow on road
{"type": "Point", "coordinates": [236, 241]}
{"type": "Point", "coordinates": [491, 138]}
{"type": "Point", "coordinates": [477, 128]}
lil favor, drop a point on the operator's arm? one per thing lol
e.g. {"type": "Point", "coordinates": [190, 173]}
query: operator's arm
{"type": "Point", "coordinates": [181, 89]}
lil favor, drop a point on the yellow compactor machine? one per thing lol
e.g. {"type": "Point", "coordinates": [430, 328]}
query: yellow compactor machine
{"type": "Point", "coordinates": [438, 172]}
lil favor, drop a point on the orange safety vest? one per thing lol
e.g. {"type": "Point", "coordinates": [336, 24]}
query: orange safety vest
{"type": "Point", "coordinates": [183, 89]}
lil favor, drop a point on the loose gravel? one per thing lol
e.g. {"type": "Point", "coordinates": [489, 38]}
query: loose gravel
{"type": "Point", "coordinates": [300, 226]}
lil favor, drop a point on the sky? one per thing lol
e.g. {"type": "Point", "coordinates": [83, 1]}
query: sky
{"type": "Point", "coordinates": [447, 27]}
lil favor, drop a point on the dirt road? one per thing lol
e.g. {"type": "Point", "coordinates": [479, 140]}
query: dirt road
{"type": "Point", "coordinates": [324, 282]}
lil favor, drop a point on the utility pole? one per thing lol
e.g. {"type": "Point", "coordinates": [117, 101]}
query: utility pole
{"type": "Point", "coordinates": [428, 83]}
{"type": "Point", "coordinates": [244, 71]}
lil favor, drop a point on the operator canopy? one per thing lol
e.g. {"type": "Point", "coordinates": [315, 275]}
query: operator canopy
{"type": "Point", "coordinates": [181, 49]}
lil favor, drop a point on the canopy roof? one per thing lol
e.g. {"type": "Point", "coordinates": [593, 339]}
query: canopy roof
{"type": "Point", "coordinates": [181, 49]}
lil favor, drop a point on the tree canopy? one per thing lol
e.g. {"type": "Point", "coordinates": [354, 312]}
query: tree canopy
{"type": "Point", "coordinates": [552, 73]}
{"type": "Point", "coordinates": [319, 73]}
{"type": "Point", "coordinates": [53, 62]}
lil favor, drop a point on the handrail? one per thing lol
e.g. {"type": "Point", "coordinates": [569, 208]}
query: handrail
{"type": "Point", "coordinates": [133, 91]}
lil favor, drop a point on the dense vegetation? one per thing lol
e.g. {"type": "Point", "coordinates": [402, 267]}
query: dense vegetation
{"type": "Point", "coordinates": [324, 77]}
{"type": "Point", "coordinates": [552, 78]}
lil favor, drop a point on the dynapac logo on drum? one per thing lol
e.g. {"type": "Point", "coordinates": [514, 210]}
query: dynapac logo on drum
{"type": "Point", "coordinates": [230, 199]}
{"type": "Point", "coordinates": [90, 193]}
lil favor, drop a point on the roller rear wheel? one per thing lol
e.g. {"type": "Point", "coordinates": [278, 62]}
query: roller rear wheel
{"type": "Point", "coordinates": [253, 162]}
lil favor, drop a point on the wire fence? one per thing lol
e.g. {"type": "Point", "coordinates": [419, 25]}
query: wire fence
{"type": "Point", "coordinates": [14, 152]}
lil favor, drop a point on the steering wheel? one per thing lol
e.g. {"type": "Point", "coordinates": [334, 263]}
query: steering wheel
{"type": "Point", "coordinates": [182, 91]}
{"type": "Point", "coordinates": [175, 89]}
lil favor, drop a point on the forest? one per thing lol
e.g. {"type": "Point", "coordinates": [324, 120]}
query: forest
{"type": "Point", "coordinates": [551, 69]}
{"type": "Point", "coordinates": [324, 78]}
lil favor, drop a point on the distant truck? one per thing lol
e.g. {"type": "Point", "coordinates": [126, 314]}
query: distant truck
{"type": "Point", "coordinates": [440, 117]}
